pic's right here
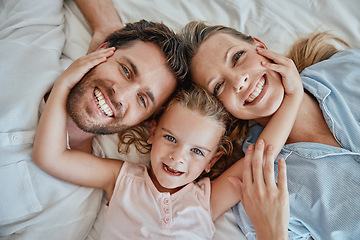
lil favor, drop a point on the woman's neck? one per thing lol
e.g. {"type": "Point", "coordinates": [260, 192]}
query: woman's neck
{"type": "Point", "coordinates": [310, 125]}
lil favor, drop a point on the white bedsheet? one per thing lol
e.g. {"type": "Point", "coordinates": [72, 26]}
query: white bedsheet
{"type": "Point", "coordinates": [277, 23]}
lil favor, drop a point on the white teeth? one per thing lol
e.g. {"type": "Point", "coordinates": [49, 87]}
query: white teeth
{"type": "Point", "coordinates": [257, 91]}
{"type": "Point", "coordinates": [99, 99]}
{"type": "Point", "coordinates": [172, 170]}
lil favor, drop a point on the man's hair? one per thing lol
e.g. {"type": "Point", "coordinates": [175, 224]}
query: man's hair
{"type": "Point", "coordinates": [159, 34]}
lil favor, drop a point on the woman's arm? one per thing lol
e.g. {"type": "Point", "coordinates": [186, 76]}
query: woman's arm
{"type": "Point", "coordinates": [50, 149]}
{"type": "Point", "coordinates": [102, 17]}
{"type": "Point", "coordinates": [265, 202]}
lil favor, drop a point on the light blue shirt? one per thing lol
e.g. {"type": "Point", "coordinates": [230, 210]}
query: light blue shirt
{"type": "Point", "coordinates": [324, 181]}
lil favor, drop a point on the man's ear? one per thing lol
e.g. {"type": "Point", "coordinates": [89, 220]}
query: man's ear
{"type": "Point", "coordinates": [214, 159]}
{"type": "Point", "coordinates": [152, 131]}
{"type": "Point", "coordinates": [103, 46]}
{"type": "Point", "coordinates": [259, 43]}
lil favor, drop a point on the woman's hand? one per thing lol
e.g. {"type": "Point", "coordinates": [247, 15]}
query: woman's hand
{"type": "Point", "coordinates": [265, 202]}
{"type": "Point", "coordinates": [286, 68]}
{"type": "Point", "coordinates": [75, 72]}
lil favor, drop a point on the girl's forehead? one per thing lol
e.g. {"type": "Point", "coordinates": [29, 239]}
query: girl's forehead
{"type": "Point", "coordinates": [191, 127]}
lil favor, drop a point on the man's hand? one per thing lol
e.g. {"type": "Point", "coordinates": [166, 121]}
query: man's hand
{"type": "Point", "coordinates": [102, 18]}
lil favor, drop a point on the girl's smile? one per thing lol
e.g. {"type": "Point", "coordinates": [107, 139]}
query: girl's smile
{"type": "Point", "coordinates": [182, 147]}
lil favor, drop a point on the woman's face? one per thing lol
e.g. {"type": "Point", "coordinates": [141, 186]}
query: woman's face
{"type": "Point", "coordinates": [231, 69]}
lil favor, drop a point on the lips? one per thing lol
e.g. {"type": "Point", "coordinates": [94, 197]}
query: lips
{"type": "Point", "coordinates": [172, 171]}
{"type": "Point", "coordinates": [259, 87]}
{"type": "Point", "coordinates": [101, 103]}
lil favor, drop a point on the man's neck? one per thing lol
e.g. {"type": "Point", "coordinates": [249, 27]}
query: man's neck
{"type": "Point", "coordinates": [78, 139]}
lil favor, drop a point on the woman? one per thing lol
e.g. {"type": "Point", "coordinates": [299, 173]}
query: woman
{"type": "Point", "coordinates": [322, 151]}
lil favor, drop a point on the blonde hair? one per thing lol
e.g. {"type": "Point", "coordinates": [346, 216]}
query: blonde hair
{"type": "Point", "coordinates": [197, 100]}
{"type": "Point", "coordinates": [313, 49]}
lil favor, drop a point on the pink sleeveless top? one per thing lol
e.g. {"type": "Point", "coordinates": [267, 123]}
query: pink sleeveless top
{"type": "Point", "coordinates": [137, 210]}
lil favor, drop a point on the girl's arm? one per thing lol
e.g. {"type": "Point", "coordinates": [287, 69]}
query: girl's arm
{"type": "Point", "coordinates": [275, 132]}
{"type": "Point", "coordinates": [50, 149]}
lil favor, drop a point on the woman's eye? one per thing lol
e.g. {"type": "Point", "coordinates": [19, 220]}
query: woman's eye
{"type": "Point", "coordinates": [126, 71]}
{"type": "Point", "coordinates": [217, 88]}
{"type": "Point", "coordinates": [237, 56]}
{"type": "Point", "coordinates": [143, 101]}
{"type": "Point", "coordinates": [197, 151]}
{"type": "Point", "coordinates": [170, 138]}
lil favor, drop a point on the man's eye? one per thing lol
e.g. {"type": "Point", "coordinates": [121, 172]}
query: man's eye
{"type": "Point", "coordinates": [126, 71]}
{"type": "Point", "coordinates": [237, 56]}
{"type": "Point", "coordinates": [197, 151]}
{"type": "Point", "coordinates": [217, 88]}
{"type": "Point", "coordinates": [170, 138]}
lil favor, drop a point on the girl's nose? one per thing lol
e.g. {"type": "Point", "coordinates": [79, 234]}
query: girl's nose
{"type": "Point", "coordinates": [176, 157]}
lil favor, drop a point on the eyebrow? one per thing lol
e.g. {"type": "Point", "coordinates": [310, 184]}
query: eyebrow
{"type": "Point", "coordinates": [226, 57]}
{"type": "Point", "coordinates": [149, 93]}
{"type": "Point", "coordinates": [203, 148]}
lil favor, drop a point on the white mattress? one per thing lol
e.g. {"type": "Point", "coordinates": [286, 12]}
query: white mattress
{"type": "Point", "coordinates": [277, 23]}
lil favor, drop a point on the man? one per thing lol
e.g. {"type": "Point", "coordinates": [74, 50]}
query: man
{"type": "Point", "coordinates": [119, 93]}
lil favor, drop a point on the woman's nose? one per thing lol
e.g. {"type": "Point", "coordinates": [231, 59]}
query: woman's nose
{"type": "Point", "coordinates": [239, 81]}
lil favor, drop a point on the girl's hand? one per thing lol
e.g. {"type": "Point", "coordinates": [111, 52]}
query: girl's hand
{"type": "Point", "coordinates": [265, 202]}
{"type": "Point", "coordinates": [286, 68]}
{"type": "Point", "coordinates": [76, 71]}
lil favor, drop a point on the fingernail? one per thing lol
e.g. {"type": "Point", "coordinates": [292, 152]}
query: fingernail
{"type": "Point", "coordinates": [251, 147]}
{"type": "Point", "coordinates": [260, 141]}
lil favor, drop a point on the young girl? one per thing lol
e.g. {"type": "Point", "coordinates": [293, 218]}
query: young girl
{"type": "Point", "coordinates": [163, 201]}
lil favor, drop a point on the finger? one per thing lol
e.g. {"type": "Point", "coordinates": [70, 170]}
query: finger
{"type": "Point", "coordinates": [282, 69]}
{"type": "Point", "coordinates": [275, 57]}
{"type": "Point", "coordinates": [85, 63]}
{"type": "Point", "coordinates": [269, 175]}
{"type": "Point", "coordinates": [257, 162]}
{"type": "Point", "coordinates": [247, 171]}
{"type": "Point", "coordinates": [237, 184]}
{"type": "Point", "coordinates": [282, 179]}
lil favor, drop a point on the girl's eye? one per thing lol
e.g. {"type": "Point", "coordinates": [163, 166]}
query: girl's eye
{"type": "Point", "coordinates": [126, 71]}
{"type": "Point", "coordinates": [217, 88]}
{"type": "Point", "coordinates": [237, 56]}
{"type": "Point", "coordinates": [170, 138]}
{"type": "Point", "coordinates": [197, 151]}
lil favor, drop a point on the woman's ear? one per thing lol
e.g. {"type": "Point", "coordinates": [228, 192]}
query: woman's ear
{"type": "Point", "coordinates": [214, 159]}
{"type": "Point", "coordinates": [259, 43]}
{"type": "Point", "coordinates": [103, 46]}
{"type": "Point", "coordinates": [152, 132]}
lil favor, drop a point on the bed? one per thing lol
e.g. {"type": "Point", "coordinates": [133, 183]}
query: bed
{"type": "Point", "coordinates": [277, 23]}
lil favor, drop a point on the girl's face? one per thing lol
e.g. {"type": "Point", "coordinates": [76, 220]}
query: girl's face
{"type": "Point", "coordinates": [184, 144]}
{"type": "Point", "coordinates": [231, 69]}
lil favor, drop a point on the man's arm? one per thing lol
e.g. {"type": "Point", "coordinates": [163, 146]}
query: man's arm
{"type": "Point", "coordinates": [102, 18]}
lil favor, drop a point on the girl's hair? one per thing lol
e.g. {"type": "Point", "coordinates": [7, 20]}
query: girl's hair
{"type": "Point", "coordinates": [305, 52]}
{"type": "Point", "coordinates": [195, 99]}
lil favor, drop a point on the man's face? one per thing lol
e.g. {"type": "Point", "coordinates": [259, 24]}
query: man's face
{"type": "Point", "coordinates": [123, 91]}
